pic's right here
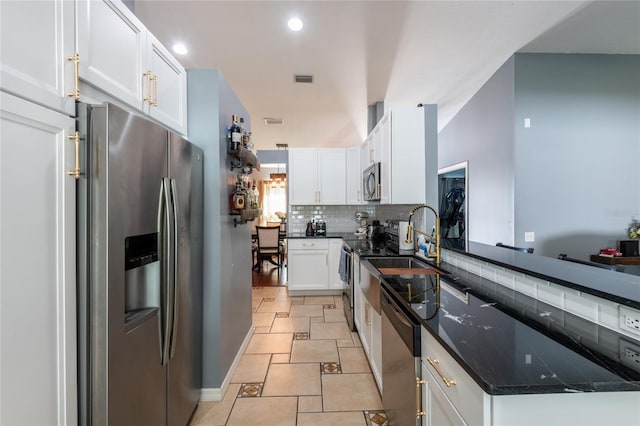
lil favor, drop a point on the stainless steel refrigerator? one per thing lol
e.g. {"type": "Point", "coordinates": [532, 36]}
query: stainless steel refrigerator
{"type": "Point", "coordinates": [140, 274]}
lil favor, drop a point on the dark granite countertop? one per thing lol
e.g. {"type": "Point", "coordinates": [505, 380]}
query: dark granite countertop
{"type": "Point", "coordinates": [343, 235]}
{"type": "Point", "coordinates": [615, 286]}
{"type": "Point", "coordinates": [513, 344]}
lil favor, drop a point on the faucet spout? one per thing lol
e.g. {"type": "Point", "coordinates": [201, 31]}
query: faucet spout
{"type": "Point", "coordinates": [409, 239]}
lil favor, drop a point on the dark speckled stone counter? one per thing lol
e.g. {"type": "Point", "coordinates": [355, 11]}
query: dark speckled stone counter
{"type": "Point", "coordinates": [512, 344]}
{"type": "Point", "coordinates": [615, 286]}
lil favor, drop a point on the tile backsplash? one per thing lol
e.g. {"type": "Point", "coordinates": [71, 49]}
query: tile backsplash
{"type": "Point", "coordinates": [591, 308]}
{"type": "Point", "coordinates": [342, 218]}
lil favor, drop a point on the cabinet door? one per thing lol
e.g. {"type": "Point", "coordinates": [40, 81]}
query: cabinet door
{"type": "Point", "coordinates": [308, 269]}
{"type": "Point", "coordinates": [335, 250]}
{"type": "Point", "coordinates": [408, 159]}
{"type": "Point", "coordinates": [353, 176]}
{"type": "Point", "coordinates": [332, 176]}
{"type": "Point", "coordinates": [376, 347]}
{"type": "Point", "coordinates": [366, 155]}
{"type": "Point", "coordinates": [35, 40]}
{"type": "Point", "coordinates": [169, 87]}
{"type": "Point", "coordinates": [303, 174]}
{"type": "Point", "coordinates": [111, 43]}
{"type": "Point", "coordinates": [37, 266]}
{"type": "Point", "coordinates": [438, 410]}
{"type": "Point", "coordinates": [383, 155]}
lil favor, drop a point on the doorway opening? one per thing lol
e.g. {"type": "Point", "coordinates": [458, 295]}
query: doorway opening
{"type": "Point", "coordinates": [453, 196]}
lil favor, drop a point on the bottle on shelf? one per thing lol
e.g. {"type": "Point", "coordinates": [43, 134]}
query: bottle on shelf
{"type": "Point", "coordinates": [235, 135]}
{"type": "Point", "coordinates": [237, 199]}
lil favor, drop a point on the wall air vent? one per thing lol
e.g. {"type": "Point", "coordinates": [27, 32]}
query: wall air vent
{"type": "Point", "coordinates": [301, 78]}
{"type": "Point", "coordinates": [274, 121]}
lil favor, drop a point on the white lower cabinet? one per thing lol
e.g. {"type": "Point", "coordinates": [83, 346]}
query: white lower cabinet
{"type": "Point", "coordinates": [370, 322]}
{"type": "Point", "coordinates": [313, 264]}
{"type": "Point", "coordinates": [37, 266]}
{"type": "Point", "coordinates": [450, 397]}
{"type": "Point", "coordinates": [437, 410]}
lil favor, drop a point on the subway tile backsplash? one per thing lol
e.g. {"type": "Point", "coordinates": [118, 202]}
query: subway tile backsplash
{"type": "Point", "coordinates": [591, 308]}
{"type": "Point", "coordinates": [342, 218]}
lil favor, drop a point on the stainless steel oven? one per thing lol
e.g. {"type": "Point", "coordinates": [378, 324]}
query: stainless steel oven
{"type": "Point", "coordinates": [349, 260]}
{"type": "Point", "coordinates": [400, 362]}
{"type": "Point", "coordinates": [371, 183]}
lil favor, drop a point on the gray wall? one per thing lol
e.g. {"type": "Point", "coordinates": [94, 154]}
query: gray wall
{"type": "Point", "coordinates": [577, 182]}
{"type": "Point", "coordinates": [227, 249]}
{"type": "Point", "coordinates": [482, 133]}
{"type": "Point", "coordinates": [573, 176]}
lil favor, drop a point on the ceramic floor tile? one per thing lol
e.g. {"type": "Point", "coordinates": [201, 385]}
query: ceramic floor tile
{"type": "Point", "coordinates": [337, 300]}
{"type": "Point", "coordinates": [309, 404]}
{"type": "Point", "coordinates": [344, 343]}
{"type": "Point", "coordinates": [314, 351]}
{"type": "Point", "coordinates": [280, 358]}
{"type": "Point", "coordinates": [317, 319]}
{"type": "Point", "coordinates": [353, 418]}
{"type": "Point", "coordinates": [264, 291]}
{"type": "Point", "coordinates": [353, 360]}
{"type": "Point", "coordinates": [350, 392]}
{"type": "Point", "coordinates": [318, 300]}
{"type": "Point", "coordinates": [263, 411]}
{"type": "Point", "coordinates": [306, 311]}
{"type": "Point", "coordinates": [337, 330]}
{"type": "Point", "coordinates": [356, 339]}
{"type": "Point", "coordinates": [261, 330]}
{"type": "Point", "coordinates": [277, 306]}
{"type": "Point", "coordinates": [263, 319]}
{"type": "Point", "coordinates": [376, 418]}
{"type": "Point", "coordinates": [215, 413]}
{"type": "Point", "coordinates": [270, 343]}
{"type": "Point", "coordinates": [255, 302]}
{"type": "Point", "coordinates": [297, 300]}
{"type": "Point", "coordinates": [289, 325]}
{"type": "Point", "coordinates": [292, 380]}
{"type": "Point", "coordinates": [251, 368]}
{"type": "Point", "coordinates": [334, 315]}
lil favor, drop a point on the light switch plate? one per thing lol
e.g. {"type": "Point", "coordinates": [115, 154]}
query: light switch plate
{"type": "Point", "coordinates": [529, 237]}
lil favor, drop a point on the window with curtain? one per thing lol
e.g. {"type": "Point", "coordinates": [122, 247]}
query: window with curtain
{"type": "Point", "coordinates": [273, 198]}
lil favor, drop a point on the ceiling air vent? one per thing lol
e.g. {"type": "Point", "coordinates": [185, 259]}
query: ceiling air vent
{"type": "Point", "coordinates": [274, 121]}
{"type": "Point", "coordinates": [301, 78]}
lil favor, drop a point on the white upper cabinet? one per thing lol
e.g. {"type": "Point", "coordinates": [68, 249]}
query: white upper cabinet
{"type": "Point", "coordinates": [169, 86]}
{"type": "Point", "coordinates": [317, 176]}
{"type": "Point", "coordinates": [353, 176]}
{"type": "Point", "coordinates": [119, 56]}
{"type": "Point", "coordinates": [36, 39]}
{"type": "Point", "coordinates": [332, 176]}
{"type": "Point", "coordinates": [407, 168]}
{"type": "Point", "coordinates": [111, 44]}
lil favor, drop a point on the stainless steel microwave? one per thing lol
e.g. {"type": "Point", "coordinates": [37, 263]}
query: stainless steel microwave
{"type": "Point", "coordinates": [371, 182]}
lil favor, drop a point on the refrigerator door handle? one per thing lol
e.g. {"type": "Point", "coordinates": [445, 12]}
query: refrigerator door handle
{"type": "Point", "coordinates": [166, 222]}
{"type": "Point", "coordinates": [175, 289]}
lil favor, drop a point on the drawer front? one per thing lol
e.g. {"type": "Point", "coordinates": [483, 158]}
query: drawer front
{"type": "Point", "coordinates": [466, 396]}
{"type": "Point", "coordinates": [308, 244]}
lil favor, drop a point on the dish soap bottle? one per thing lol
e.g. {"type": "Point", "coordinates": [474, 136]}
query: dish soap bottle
{"type": "Point", "coordinates": [309, 231]}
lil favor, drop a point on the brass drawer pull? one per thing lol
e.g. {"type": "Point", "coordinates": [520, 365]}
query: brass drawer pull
{"type": "Point", "coordinates": [434, 363]}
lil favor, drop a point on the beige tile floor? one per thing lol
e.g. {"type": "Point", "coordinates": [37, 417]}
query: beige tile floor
{"type": "Point", "coordinates": [302, 367]}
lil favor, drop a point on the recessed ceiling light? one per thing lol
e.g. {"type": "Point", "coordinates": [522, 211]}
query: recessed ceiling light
{"type": "Point", "coordinates": [180, 49]}
{"type": "Point", "coordinates": [295, 24]}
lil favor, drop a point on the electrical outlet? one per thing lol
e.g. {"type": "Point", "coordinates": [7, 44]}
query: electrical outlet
{"type": "Point", "coordinates": [629, 319]}
{"type": "Point", "coordinates": [630, 354]}
{"type": "Point", "coordinates": [529, 237]}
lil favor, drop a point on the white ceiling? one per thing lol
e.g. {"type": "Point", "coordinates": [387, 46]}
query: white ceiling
{"type": "Point", "coordinates": [361, 52]}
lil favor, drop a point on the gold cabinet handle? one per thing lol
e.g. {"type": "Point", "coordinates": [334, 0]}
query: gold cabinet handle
{"type": "Point", "coordinates": [367, 316]}
{"type": "Point", "coordinates": [155, 91]}
{"type": "Point", "coordinates": [75, 58]}
{"type": "Point", "coordinates": [434, 363]}
{"type": "Point", "coordinates": [75, 172]}
{"type": "Point", "coordinates": [419, 412]}
{"type": "Point", "coordinates": [147, 77]}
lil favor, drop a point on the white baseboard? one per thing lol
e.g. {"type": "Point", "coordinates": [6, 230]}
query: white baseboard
{"type": "Point", "coordinates": [217, 394]}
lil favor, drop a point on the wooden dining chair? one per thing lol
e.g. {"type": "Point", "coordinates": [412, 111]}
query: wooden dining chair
{"type": "Point", "coordinates": [269, 246]}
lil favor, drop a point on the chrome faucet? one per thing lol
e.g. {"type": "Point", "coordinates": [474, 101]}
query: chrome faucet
{"type": "Point", "coordinates": [409, 239]}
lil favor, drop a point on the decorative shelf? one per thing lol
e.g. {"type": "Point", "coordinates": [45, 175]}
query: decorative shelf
{"type": "Point", "coordinates": [242, 157]}
{"type": "Point", "coordinates": [246, 215]}
{"type": "Point", "coordinates": [616, 260]}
